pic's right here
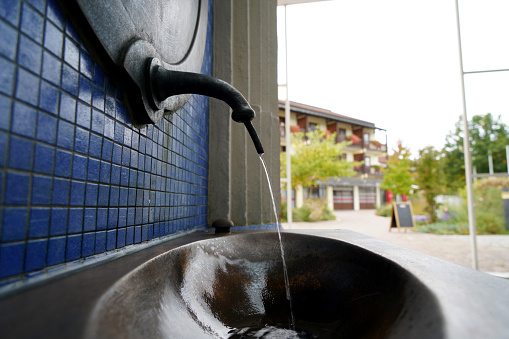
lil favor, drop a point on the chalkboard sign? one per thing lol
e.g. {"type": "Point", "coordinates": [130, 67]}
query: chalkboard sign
{"type": "Point", "coordinates": [402, 216]}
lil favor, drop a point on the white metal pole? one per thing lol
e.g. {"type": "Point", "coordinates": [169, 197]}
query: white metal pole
{"type": "Point", "coordinates": [466, 147]}
{"type": "Point", "coordinates": [288, 139]}
{"type": "Point", "coordinates": [507, 157]}
{"type": "Point", "coordinates": [490, 163]}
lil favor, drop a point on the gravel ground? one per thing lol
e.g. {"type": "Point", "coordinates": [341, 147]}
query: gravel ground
{"type": "Point", "coordinates": [492, 250]}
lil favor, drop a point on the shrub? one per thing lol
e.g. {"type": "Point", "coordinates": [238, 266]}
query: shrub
{"type": "Point", "coordinates": [384, 210]}
{"type": "Point", "coordinates": [313, 210]}
{"type": "Point", "coordinates": [443, 228]}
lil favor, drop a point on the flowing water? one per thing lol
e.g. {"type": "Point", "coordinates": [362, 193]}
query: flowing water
{"type": "Point", "coordinates": [285, 271]}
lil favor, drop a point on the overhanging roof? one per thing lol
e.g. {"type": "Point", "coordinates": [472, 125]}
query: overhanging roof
{"type": "Point", "coordinates": [326, 114]}
{"type": "Point", "coordinates": [294, 2]}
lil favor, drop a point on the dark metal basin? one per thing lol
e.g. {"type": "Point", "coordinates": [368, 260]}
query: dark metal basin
{"type": "Point", "coordinates": [233, 286]}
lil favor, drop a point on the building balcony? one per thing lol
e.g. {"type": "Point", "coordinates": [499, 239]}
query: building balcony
{"type": "Point", "coordinates": [369, 170]}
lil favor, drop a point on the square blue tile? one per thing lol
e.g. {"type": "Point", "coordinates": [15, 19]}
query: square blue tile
{"type": "Point", "coordinates": [104, 174]}
{"type": "Point", "coordinates": [67, 107]}
{"type": "Point", "coordinates": [63, 163]}
{"type": "Point", "coordinates": [144, 233]}
{"type": "Point", "coordinates": [38, 226]}
{"type": "Point", "coordinates": [58, 221]}
{"type": "Point", "coordinates": [32, 23]}
{"type": "Point", "coordinates": [95, 144]}
{"type": "Point", "coordinates": [73, 248]}
{"type": "Point", "coordinates": [123, 195]}
{"type": "Point", "coordinates": [98, 76]}
{"type": "Point", "coordinates": [133, 177]}
{"type": "Point", "coordinates": [100, 242]}
{"type": "Point", "coordinates": [85, 90]}
{"type": "Point", "coordinates": [129, 236]}
{"type": "Point", "coordinates": [27, 87]}
{"type": "Point", "coordinates": [23, 120]}
{"type": "Point", "coordinates": [121, 237]}
{"type": "Point", "coordinates": [71, 53]}
{"type": "Point", "coordinates": [130, 216]}
{"type": "Point", "coordinates": [88, 245]}
{"type": "Point", "coordinates": [124, 176]}
{"type": "Point", "coordinates": [122, 217]}
{"type": "Point", "coordinates": [49, 98]}
{"type": "Point", "coordinates": [112, 218]}
{"type": "Point", "coordinates": [56, 251]}
{"type": "Point", "coordinates": [119, 133]}
{"type": "Point", "coordinates": [91, 194]}
{"type": "Point", "coordinates": [82, 137]}
{"type": "Point", "coordinates": [137, 234]}
{"type": "Point", "coordinates": [20, 153]}
{"type": "Point", "coordinates": [14, 225]}
{"type": "Point", "coordinates": [54, 13]}
{"type": "Point", "coordinates": [8, 41]}
{"type": "Point", "coordinates": [75, 221]}
{"type": "Point", "coordinates": [131, 197]}
{"type": "Point", "coordinates": [102, 219]}
{"type": "Point", "coordinates": [83, 113]}
{"type": "Point", "coordinates": [79, 167]}
{"type": "Point", "coordinates": [51, 68]}
{"type": "Point", "coordinates": [126, 156]}
{"type": "Point", "coordinates": [98, 98]}
{"type": "Point", "coordinates": [41, 190]}
{"type": "Point", "coordinates": [46, 128]}
{"type": "Point", "coordinates": [117, 154]}
{"type": "Point", "coordinates": [35, 258]}
{"type": "Point", "coordinates": [69, 80]}
{"type": "Point", "coordinates": [11, 259]}
{"type": "Point", "coordinates": [104, 194]}
{"type": "Point", "coordinates": [109, 105]}
{"type": "Point", "coordinates": [97, 121]}
{"type": "Point", "coordinates": [111, 240]}
{"type": "Point", "coordinates": [93, 170]}
{"type": "Point", "coordinates": [77, 197]}
{"type": "Point", "coordinates": [53, 39]}
{"type": "Point", "coordinates": [29, 54]}
{"type": "Point", "coordinates": [65, 135]}
{"type": "Point", "coordinates": [115, 175]}
{"type": "Point", "coordinates": [86, 65]}
{"type": "Point", "coordinates": [107, 150]}
{"type": "Point", "coordinates": [89, 219]}
{"type": "Point", "coordinates": [109, 128]}
{"type": "Point", "coordinates": [114, 196]}
{"type": "Point", "coordinates": [61, 189]}
{"type": "Point", "coordinates": [16, 188]}
{"type": "Point", "coordinates": [5, 119]}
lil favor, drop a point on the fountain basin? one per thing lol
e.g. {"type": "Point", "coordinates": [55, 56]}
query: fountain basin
{"type": "Point", "coordinates": [233, 286]}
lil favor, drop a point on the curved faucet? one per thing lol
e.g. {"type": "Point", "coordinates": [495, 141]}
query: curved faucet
{"type": "Point", "coordinates": [164, 83]}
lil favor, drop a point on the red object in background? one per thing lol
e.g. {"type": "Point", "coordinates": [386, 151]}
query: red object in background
{"type": "Point", "coordinates": [404, 197]}
{"type": "Point", "coordinates": [389, 196]}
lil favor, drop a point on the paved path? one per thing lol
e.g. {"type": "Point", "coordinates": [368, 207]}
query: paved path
{"type": "Point", "coordinates": [492, 250]}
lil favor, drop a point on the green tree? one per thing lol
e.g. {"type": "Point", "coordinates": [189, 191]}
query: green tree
{"type": "Point", "coordinates": [397, 175]}
{"type": "Point", "coordinates": [316, 157]}
{"type": "Point", "coordinates": [487, 134]}
{"type": "Point", "coordinates": [429, 177]}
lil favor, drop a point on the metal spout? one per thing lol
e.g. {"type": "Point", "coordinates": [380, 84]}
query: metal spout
{"type": "Point", "coordinates": [164, 83]}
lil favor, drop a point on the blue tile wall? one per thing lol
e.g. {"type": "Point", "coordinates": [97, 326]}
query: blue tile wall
{"type": "Point", "coordinates": [77, 179]}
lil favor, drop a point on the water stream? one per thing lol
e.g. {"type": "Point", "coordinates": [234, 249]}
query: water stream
{"type": "Point", "coordinates": [285, 271]}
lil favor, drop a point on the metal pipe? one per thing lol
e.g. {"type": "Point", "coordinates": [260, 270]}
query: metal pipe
{"type": "Point", "coordinates": [466, 147]}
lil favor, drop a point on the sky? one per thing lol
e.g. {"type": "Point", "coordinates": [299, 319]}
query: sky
{"type": "Point", "coordinates": [396, 63]}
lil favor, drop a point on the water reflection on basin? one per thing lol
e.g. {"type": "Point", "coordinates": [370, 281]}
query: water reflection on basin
{"type": "Point", "coordinates": [233, 287]}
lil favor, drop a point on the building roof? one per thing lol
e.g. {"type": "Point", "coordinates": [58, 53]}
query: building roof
{"type": "Point", "coordinates": [325, 113]}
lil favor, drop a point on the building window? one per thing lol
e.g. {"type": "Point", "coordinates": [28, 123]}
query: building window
{"type": "Point", "coordinates": [313, 127]}
{"type": "Point", "coordinates": [282, 130]}
{"type": "Point", "coordinates": [341, 135]}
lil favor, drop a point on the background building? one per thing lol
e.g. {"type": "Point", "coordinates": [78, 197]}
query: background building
{"type": "Point", "coordinates": [369, 144]}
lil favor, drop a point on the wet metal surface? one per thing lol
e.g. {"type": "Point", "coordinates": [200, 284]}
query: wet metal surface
{"type": "Point", "coordinates": [233, 286]}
